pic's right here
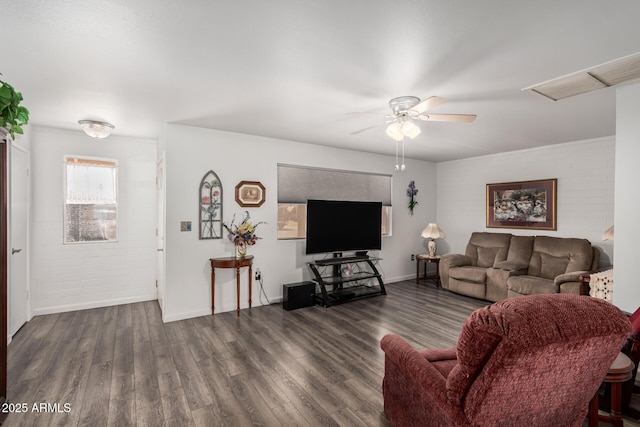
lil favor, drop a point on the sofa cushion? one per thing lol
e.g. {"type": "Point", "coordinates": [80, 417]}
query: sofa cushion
{"type": "Point", "coordinates": [530, 285]}
{"type": "Point", "coordinates": [552, 266]}
{"type": "Point", "coordinates": [486, 248]}
{"type": "Point", "coordinates": [486, 256]}
{"type": "Point", "coordinates": [520, 250]}
{"type": "Point", "coordinates": [469, 274]}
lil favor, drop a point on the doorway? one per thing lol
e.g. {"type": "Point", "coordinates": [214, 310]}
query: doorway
{"type": "Point", "coordinates": [4, 244]}
{"type": "Point", "coordinates": [160, 232]}
{"type": "Point", "coordinates": [18, 292]}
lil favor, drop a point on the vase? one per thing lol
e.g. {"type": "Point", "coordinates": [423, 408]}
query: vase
{"type": "Point", "coordinates": [241, 250]}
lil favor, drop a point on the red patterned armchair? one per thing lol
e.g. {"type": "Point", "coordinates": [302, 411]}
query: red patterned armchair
{"type": "Point", "coordinates": [528, 361]}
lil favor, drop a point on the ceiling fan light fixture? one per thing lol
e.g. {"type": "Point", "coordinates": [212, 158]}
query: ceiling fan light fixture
{"type": "Point", "coordinates": [96, 129]}
{"type": "Point", "coordinates": [394, 130]}
{"type": "Point", "coordinates": [410, 129]}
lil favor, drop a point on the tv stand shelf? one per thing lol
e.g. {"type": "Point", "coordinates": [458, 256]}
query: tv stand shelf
{"type": "Point", "coordinates": [338, 288]}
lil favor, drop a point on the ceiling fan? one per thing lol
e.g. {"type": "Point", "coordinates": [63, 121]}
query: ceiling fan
{"type": "Point", "coordinates": [406, 109]}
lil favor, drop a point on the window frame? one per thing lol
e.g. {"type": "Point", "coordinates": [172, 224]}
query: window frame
{"type": "Point", "coordinates": [95, 161]}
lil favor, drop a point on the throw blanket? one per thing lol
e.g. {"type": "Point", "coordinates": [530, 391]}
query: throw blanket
{"type": "Point", "coordinates": [601, 285]}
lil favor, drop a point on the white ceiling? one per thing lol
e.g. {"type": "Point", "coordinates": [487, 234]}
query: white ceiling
{"type": "Point", "coordinates": [293, 69]}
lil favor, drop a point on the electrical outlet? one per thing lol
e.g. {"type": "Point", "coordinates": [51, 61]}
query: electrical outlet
{"type": "Point", "coordinates": [258, 274]}
{"type": "Point", "coordinates": [413, 257]}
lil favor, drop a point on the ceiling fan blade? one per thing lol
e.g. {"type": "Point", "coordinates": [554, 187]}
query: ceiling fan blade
{"type": "Point", "coordinates": [359, 113]}
{"type": "Point", "coordinates": [448, 117]}
{"type": "Point", "coordinates": [427, 104]}
{"type": "Point", "coordinates": [362, 113]}
{"type": "Point", "coordinates": [370, 127]}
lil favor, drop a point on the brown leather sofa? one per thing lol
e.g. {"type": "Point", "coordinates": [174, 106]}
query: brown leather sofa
{"type": "Point", "coordinates": [496, 266]}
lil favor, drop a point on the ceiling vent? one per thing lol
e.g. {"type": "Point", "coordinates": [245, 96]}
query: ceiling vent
{"type": "Point", "coordinates": [605, 75]}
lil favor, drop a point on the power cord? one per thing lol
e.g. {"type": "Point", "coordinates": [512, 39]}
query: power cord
{"type": "Point", "coordinates": [262, 292]}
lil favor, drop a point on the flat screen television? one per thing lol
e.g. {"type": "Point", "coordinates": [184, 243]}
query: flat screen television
{"type": "Point", "coordinates": [336, 225]}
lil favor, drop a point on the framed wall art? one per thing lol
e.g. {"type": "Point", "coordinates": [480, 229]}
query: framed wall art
{"type": "Point", "coordinates": [210, 207]}
{"type": "Point", "coordinates": [250, 194]}
{"type": "Point", "coordinates": [522, 204]}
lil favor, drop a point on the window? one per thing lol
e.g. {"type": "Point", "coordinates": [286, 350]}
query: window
{"type": "Point", "coordinates": [91, 203]}
{"type": "Point", "coordinates": [292, 221]}
{"type": "Point", "coordinates": [297, 184]}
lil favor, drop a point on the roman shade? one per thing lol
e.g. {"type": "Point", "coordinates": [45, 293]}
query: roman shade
{"type": "Point", "coordinates": [297, 184]}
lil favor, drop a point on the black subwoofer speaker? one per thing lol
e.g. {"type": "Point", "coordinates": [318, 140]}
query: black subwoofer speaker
{"type": "Point", "coordinates": [298, 295]}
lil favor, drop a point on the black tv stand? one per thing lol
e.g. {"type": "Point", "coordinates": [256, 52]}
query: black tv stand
{"type": "Point", "coordinates": [337, 288]}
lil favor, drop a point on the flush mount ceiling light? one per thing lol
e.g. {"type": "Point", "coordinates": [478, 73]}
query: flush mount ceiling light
{"type": "Point", "coordinates": [601, 76]}
{"type": "Point", "coordinates": [96, 129]}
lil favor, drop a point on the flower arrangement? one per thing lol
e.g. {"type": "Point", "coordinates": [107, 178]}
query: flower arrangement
{"type": "Point", "coordinates": [244, 233]}
{"type": "Point", "coordinates": [411, 192]}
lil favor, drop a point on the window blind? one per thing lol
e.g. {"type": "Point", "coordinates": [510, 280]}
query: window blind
{"type": "Point", "coordinates": [297, 184]}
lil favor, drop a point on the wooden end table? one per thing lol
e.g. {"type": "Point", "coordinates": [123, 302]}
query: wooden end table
{"type": "Point", "coordinates": [426, 259]}
{"type": "Point", "coordinates": [231, 262]}
{"type": "Point", "coordinates": [620, 371]}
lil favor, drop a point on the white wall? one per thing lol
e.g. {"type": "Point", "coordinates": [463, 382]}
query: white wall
{"type": "Point", "coordinates": [72, 277]}
{"type": "Point", "coordinates": [626, 291]}
{"type": "Point", "coordinates": [585, 198]}
{"type": "Point", "coordinates": [191, 152]}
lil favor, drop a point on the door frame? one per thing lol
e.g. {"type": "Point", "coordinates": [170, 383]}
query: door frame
{"type": "Point", "coordinates": [160, 231]}
{"type": "Point", "coordinates": [27, 251]}
{"type": "Point", "coordinates": [4, 245]}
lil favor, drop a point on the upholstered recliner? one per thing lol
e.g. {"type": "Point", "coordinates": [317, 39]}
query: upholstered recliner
{"type": "Point", "coordinates": [530, 361]}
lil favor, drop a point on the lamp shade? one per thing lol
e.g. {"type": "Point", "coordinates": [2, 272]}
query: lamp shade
{"type": "Point", "coordinates": [608, 234]}
{"type": "Point", "coordinates": [394, 130]}
{"type": "Point", "coordinates": [410, 129]}
{"type": "Point", "coordinates": [96, 129]}
{"type": "Point", "coordinates": [433, 231]}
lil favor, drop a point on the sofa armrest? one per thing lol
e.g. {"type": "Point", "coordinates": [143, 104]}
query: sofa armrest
{"type": "Point", "coordinates": [455, 260]}
{"type": "Point", "coordinates": [574, 276]}
{"type": "Point", "coordinates": [414, 390]}
{"type": "Point", "coordinates": [517, 267]}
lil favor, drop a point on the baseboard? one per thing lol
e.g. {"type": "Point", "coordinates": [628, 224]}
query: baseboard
{"type": "Point", "coordinates": [186, 315]}
{"type": "Point", "coordinates": [92, 304]}
{"type": "Point", "coordinates": [207, 312]}
{"type": "Point", "coordinates": [399, 278]}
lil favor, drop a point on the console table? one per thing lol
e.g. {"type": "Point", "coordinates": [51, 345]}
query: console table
{"type": "Point", "coordinates": [344, 282]}
{"type": "Point", "coordinates": [231, 262]}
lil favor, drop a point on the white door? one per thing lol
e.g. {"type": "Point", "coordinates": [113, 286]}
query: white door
{"type": "Point", "coordinates": [18, 219]}
{"type": "Point", "coordinates": [160, 233]}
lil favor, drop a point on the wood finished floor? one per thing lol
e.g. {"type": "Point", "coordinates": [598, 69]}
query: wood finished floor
{"type": "Point", "coordinates": [120, 366]}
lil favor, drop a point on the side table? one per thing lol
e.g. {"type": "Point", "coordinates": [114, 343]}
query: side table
{"type": "Point", "coordinates": [426, 259]}
{"type": "Point", "coordinates": [619, 372]}
{"type": "Point", "coordinates": [231, 262]}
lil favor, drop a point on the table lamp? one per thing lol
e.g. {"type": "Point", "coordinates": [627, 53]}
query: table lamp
{"type": "Point", "coordinates": [432, 232]}
{"type": "Point", "coordinates": [608, 234]}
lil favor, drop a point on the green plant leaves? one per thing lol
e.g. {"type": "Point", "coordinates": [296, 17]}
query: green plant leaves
{"type": "Point", "coordinates": [23, 114]}
{"type": "Point", "coordinates": [12, 115]}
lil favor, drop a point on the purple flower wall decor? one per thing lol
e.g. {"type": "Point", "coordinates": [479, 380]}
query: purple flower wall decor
{"type": "Point", "coordinates": [411, 193]}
